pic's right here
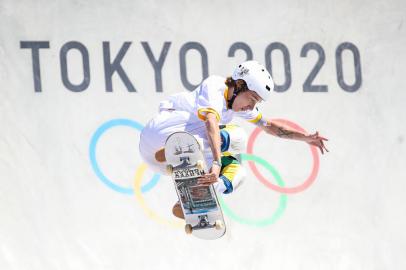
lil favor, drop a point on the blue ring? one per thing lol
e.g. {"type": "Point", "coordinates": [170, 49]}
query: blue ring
{"type": "Point", "coordinates": [95, 166]}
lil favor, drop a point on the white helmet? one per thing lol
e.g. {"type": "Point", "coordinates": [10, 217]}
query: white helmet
{"type": "Point", "coordinates": [234, 139]}
{"type": "Point", "coordinates": [256, 77]}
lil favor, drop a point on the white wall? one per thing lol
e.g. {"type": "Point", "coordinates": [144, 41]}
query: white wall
{"type": "Point", "coordinates": [55, 212]}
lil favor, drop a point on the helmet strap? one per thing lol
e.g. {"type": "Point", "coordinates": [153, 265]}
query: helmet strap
{"type": "Point", "coordinates": [231, 101]}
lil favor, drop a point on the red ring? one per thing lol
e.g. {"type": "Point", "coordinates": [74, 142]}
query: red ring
{"type": "Point", "coordinates": [285, 190]}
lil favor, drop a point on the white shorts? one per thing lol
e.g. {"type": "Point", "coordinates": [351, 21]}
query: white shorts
{"type": "Point", "coordinates": [157, 130]}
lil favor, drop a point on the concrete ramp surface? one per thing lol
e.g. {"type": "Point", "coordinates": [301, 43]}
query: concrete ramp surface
{"type": "Point", "coordinates": [80, 79]}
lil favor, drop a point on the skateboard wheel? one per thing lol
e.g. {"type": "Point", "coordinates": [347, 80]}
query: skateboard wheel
{"type": "Point", "coordinates": [219, 225]}
{"type": "Point", "coordinates": [200, 164]}
{"type": "Point", "coordinates": [188, 228]}
{"type": "Point", "coordinates": [169, 169]}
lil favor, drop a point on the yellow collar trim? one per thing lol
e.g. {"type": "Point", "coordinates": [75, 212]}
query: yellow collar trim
{"type": "Point", "coordinates": [226, 94]}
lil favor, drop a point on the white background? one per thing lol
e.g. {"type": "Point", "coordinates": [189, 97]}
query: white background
{"type": "Point", "coordinates": [56, 214]}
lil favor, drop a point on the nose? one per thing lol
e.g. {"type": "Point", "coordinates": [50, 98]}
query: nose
{"type": "Point", "coordinates": [248, 108]}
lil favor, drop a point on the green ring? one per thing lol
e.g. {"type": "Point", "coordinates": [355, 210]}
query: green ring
{"type": "Point", "coordinates": [282, 200]}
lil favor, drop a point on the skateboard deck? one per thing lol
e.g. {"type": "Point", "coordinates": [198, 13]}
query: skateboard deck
{"type": "Point", "coordinates": [200, 206]}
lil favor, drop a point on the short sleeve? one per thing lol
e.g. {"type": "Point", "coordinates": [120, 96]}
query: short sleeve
{"type": "Point", "coordinates": [254, 116]}
{"type": "Point", "coordinates": [210, 97]}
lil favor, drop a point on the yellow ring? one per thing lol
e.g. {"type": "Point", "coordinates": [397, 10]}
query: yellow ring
{"type": "Point", "coordinates": [149, 212]}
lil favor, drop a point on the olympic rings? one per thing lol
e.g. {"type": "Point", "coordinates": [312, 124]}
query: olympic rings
{"type": "Point", "coordinates": [137, 189]}
{"type": "Point", "coordinates": [281, 189]}
{"type": "Point", "coordinates": [149, 212]}
{"type": "Point", "coordinates": [95, 166]}
{"type": "Point", "coordinates": [282, 200]}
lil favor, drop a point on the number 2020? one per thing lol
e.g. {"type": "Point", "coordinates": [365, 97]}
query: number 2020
{"type": "Point", "coordinates": [308, 85]}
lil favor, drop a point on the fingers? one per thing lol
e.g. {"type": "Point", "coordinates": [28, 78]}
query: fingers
{"type": "Point", "coordinates": [205, 183]}
{"type": "Point", "coordinates": [323, 146]}
{"type": "Point", "coordinates": [207, 179]}
{"type": "Point", "coordinates": [320, 144]}
{"type": "Point", "coordinates": [317, 137]}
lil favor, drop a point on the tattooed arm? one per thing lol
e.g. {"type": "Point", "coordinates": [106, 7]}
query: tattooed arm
{"type": "Point", "coordinates": [284, 131]}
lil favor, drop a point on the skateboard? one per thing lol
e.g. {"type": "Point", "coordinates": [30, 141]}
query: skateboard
{"type": "Point", "coordinates": [200, 206]}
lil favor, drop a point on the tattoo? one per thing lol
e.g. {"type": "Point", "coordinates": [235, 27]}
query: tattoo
{"type": "Point", "coordinates": [283, 133]}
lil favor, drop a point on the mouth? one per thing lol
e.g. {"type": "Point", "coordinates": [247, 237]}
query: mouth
{"type": "Point", "coordinates": [247, 108]}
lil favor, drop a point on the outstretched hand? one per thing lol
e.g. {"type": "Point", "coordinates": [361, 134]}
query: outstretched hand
{"type": "Point", "coordinates": [318, 141]}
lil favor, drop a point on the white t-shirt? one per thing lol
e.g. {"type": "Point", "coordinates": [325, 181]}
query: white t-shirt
{"type": "Point", "coordinates": [210, 96]}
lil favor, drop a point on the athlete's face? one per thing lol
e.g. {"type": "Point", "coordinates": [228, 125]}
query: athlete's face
{"type": "Point", "coordinates": [246, 101]}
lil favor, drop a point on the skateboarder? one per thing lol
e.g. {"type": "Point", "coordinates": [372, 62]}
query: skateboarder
{"type": "Point", "coordinates": [216, 101]}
